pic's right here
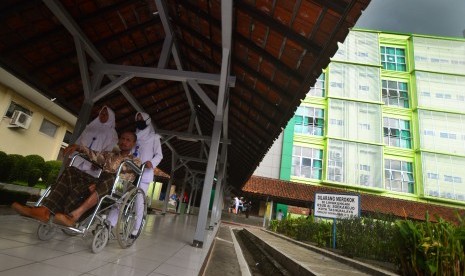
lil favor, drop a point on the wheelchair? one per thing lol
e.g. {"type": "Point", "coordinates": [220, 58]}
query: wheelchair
{"type": "Point", "coordinates": [123, 197]}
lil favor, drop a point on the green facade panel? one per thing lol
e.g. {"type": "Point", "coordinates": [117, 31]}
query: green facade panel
{"type": "Point", "coordinates": [286, 156]}
{"type": "Point", "coordinates": [394, 122]}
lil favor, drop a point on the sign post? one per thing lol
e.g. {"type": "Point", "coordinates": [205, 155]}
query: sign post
{"type": "Point", "coordinates": [336, 206]}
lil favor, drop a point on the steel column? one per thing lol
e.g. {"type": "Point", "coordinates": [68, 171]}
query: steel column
{"type": "Point", "coordinates": [167, 195]}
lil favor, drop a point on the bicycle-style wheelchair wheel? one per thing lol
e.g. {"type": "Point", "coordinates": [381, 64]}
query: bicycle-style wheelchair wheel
{"type": "Point", "coordinates": [45, 232]}
{"type": "Point", "coordinates": [100, 240]}
{"type": "Point", "coordinates": [127, 218]}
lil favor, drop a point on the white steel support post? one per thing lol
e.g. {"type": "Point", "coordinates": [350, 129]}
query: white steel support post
{"type": "Point", "coordinates": [221, 203]}
{"type": "Point", "coordinates": [82, 119]}
{"type": "Point", "coordinates": [182, 193]}
{"type": "Point", "coordinates": [190, 199]}
{"type": "Point", "coordinates": [226, 36]}
{"type": "Point", "coordinates": [87, 105]}
{"type": "Point", "coordinates": [219, 185]}
{"type": "Point", "coordinates": [199, 235]}
{"type": "Point", "coordinates": [174, 158]}
{"type": "Point", "coordinates": [195, 193]}
{"type": "Point", "coordinates": [216, 214]}
{"type": "Point", "coordinates": [215, 204]}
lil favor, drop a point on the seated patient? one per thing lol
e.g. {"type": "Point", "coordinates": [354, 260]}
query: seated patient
{"type": "Point", "coordinates": [66, 194]}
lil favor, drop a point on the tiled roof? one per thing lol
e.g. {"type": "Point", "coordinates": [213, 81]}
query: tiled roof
{"type": "Point", "coordinates": [303, 195]}
{"type": "Point", "coordinates": [298, 210]}
{"type": "Point", "coordinates": [278, 49]}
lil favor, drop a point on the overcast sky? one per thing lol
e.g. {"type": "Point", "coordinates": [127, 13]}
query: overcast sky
{"type": "Point", "coordinates": [429, 17]}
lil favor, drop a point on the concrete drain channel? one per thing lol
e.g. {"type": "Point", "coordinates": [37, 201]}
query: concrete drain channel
{"type": "Point", "coordinates": [260, 262]}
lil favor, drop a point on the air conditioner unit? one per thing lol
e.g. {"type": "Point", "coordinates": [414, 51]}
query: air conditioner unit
{"type": "Point", "coordinates": [20, 119]}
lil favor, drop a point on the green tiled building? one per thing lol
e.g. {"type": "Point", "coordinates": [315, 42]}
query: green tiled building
{"type": "Point", "coordinates": [386, 117]}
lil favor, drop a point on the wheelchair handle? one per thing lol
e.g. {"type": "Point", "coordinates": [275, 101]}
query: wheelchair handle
{"type": "Point", "coordinates": [132, 165]}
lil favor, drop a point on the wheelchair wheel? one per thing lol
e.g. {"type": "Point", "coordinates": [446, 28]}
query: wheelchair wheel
{"type": "Point", "coordinates": [127, 218]}
{"type": "Point", "coordinates": [45, 232]}
{"type": "Point", "coordinates": [100, 240]}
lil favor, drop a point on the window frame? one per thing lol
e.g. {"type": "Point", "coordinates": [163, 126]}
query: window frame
{"type": "Point", "coordinates": [50, 123]}
{"type": "Point", "coordinates": [406, 185]}
{"type": "Point", "coordinates": [393, 133]}
{"type": "Point", "coordinates": [396, 61]}
{"type": "Point", "coordinates": [315, 124]}
{"type": "Point", "coordinates": [316, 155]}
{"type": "Point", "coordinates": [15, 106]}
{"type": "Point", "coordinates": [386, 90]}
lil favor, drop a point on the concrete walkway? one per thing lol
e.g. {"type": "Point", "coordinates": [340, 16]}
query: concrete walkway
{"type": "Point", "coordinates": [164, 248]}
{"type": "Point", "coordinates": [304, 259]}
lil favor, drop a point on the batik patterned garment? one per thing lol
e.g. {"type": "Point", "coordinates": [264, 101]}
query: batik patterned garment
{"type": "Point", "coordinates": [111, 160]}
{"type": "Point", "coordinates": [72, 187]}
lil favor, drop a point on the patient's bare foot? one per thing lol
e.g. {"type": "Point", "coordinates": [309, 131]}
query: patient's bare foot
{"type": "Point", "coordinates": [40, 213]}
{"type": "Point", "coordinates": [64, 219]}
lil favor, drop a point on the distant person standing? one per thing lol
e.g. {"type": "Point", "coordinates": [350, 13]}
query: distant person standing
{"type": "Point", "coordinates": [99, 135]}
{"type": "Point", "coordinates": [241, 205]}
{"type": "Point", "coordinates": [236, 205]}
{"type": "Point", "coordinates": [279, 215]}
{"type": "Point", "coordinates": [247, 208]}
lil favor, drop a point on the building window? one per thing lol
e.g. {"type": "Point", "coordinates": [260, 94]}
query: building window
{"type": "Point", "coordinates": [307, 162]}
{"type": "Point", "coordinates": [335, 165]}
{"type": "Point", "coordinates": [67, 138]}
{"type": "Point", "coordinates": [48, 128]}
{"type": "Point", "coordinates": [393, 58]}
{"type": "Point", "coordinates": [397, 133]}
{"type": "Point", "coordinates": [309, 120]}
{"type": "Point", "coordinates": [395, 93]}
{"type": "Point", "coordinates": [14, 106]}
{"type": "Point", "coordinates": [398, 176]}
{"type": "Point", "coordinates": [433, 175]}
{"type": "Point", "coordinates": [319, 89]}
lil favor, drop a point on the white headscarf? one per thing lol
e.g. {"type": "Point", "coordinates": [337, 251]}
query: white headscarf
{"type": "Point", "coordinates": [97, 136]}
{"type": "Point", "coordinates": [145, 134]}
{"type": "Point", "coordinates": [109, 123]}
{"type": "Point", "coordinates": [100, 136]}
{"type": "Point", "coordinates": [148, 147]}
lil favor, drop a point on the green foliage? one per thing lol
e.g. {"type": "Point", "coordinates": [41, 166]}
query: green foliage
{"type": "Point", "coordinates": [19, 166]}
{"type": "Point", "coordinates": [309, 230]}
{"type": "Point", "coordinates": [426, 248]}
{"type": "Point", "coordinates": [33, 177]}
{"type": "Point", "coordinates": [273, 225]}
{"type": "Point", "coordinates": [304, 229]}
{"type": "Point", "coordinates": [48, 167]}
{"type": "Point", "coordinates": [35, 161]}
{"type": "Point", "coordinates": [5, 166]}
{"type": "Point", "coordinates": [29, 169]}
{"type": "Point", "coordinates": [52, 177]}
{"type": "Point", "coordinates": [35, 165]}
{"type": "Point", "coordinates": [368, 237]}
{"type": "Point", "coordinates": [417, 248]}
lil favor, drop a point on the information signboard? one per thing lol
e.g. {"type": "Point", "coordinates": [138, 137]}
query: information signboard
{"type": "Point", "coordinates": [336, 206]}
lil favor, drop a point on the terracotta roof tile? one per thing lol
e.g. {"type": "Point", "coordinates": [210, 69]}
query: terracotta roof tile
{"type": "Point", "coordinates": [303, 195]}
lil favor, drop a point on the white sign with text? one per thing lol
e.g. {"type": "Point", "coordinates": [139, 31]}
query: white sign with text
{"type": "Point", "coordinates": [336, 205]}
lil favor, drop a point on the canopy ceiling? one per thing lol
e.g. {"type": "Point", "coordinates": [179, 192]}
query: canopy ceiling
{"type": "Point", "coordinates": [278, 50]}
